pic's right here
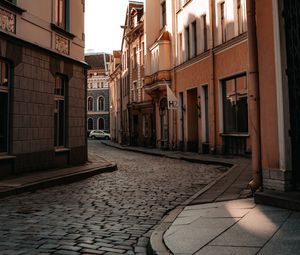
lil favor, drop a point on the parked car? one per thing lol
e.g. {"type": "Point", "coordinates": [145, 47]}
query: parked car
{"type": "Point", "coordinates": [99, 134]}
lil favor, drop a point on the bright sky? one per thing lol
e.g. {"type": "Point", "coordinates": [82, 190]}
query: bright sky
{"type": "Point", "coordinates": [103, 19]}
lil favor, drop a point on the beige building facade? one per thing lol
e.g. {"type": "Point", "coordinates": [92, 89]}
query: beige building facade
{"type": "Point", "coordinates": [42, 86]}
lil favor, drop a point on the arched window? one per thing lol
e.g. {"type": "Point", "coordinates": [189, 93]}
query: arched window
{"type": "Point", "coordinates": [101, 103]}
{"type": "Point", "coordinates": [101, 123]}
{"type": "Point", "coordinates": [90, 103]}
{"type": "Point", "coordinates": [90, 124]}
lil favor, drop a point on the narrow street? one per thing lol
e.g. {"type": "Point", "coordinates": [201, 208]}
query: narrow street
{"type": "Point", "coordinates": [111, 213]}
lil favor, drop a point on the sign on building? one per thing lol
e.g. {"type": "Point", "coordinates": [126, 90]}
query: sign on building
{"type": "Point", "coordinates": [172, 100]}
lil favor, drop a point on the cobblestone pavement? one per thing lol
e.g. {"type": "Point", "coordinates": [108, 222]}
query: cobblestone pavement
{"type": "Point", "coordinates": [112, 213]}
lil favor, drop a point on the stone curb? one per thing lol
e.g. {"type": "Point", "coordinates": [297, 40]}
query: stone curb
{"type": "Point", "coordinates": [162, 154]}
{"type": "Point", "coordinates": [58, 180]}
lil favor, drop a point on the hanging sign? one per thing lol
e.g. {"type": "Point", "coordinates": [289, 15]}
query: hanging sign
{"type": "Point", "coordinates": [172, 100]}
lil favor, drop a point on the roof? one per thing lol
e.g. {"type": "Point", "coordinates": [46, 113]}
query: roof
{"type": "Point", "coordinates": [97, 60]}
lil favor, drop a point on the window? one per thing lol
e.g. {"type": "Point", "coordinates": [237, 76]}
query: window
{"type": "Point", "coordinates": [180, 48]}
{"type": "Point", "coordinates": [60, 111]}
{"type": "Point", "coordinates": [163, 14]}
{"type": "Point", "coordinates": [4, 106]}
{"type": "Point", "coordinates": [187, 43]}
{"type": "Point", "coordinates": [223, 22]}
{"type": "Point", "coordinates": [62, 13]}
{"type": "Point", "coordinates": [134, 63]}
{"type": "Point", "coordinates": [235, 105]}
{"type": "Point", "coordinates": [90, 104]}
{"type": "Point", "coordinates": [142, 53]}
{"type": "Point", "coordinates": [90, 124]}
{"type": "Point", "coordinates": [194, 39]}
{"type": "Point", "coordinates": [204, 22]}
{"type": "Point", "coordinates": [240, 17]}
{"type": "Point", "coordinates": [101, 123]}
{"type": "Point", "coordinates": [101, 104]}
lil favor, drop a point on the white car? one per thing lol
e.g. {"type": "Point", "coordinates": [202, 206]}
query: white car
{"type": "Point", "coordinates": [99, 134]}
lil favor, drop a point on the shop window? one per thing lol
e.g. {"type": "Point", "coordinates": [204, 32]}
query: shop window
{"type": "Point", "coordinates": [235, 105]}
{"type": "Point", "coordinates": [60, 111]}
{"type": "Point", "coordinates": [4, 106]}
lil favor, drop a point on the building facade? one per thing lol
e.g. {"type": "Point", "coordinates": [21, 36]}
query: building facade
{"type": "Point", "coordinates": [278, 54]}
{"type": "Point", "coordinates": [42, 85]}
{"type": "Point", "coordinates": [115, 96]}
{"type": "Point", "coordinates": [136, 107]}
{"type": "Point", "coordinates": [199, 49]}
{"type": "Point", "coordinates": [98, 105]}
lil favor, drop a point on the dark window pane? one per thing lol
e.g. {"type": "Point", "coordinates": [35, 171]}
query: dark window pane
{"type": "Point", "coordinates": [61, 138]}
{"type": "Point", "coordinates": [235, 105]}
{"type": "Point", "coordinates": [3, 121]}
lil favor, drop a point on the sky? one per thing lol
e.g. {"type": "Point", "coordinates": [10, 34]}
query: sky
{"type": "Point", "coordinates": [103, 20]}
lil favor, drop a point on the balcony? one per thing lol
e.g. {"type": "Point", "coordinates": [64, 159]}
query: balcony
{"type": "Point", "coordinates": [157, 82]}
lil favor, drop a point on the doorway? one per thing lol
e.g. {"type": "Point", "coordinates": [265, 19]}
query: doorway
{"type": "Point", "coordinates": [292, 36]}
{"type": "Point", "coordinates": [192, 120]}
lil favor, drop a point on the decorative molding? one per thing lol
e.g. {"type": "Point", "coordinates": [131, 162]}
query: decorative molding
{"type": "Point", "coordinates": [7, 21]}
{"type": "Point", "coordinates": [62, 44]}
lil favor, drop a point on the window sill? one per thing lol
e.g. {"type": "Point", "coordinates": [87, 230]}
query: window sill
{"type": "Point", "coordinates": [11, 7]}
{"type": "Point", "coordinates": [62, 31]}
{"type": "Point", "coordinates": [6, 157]}
{"type": "Point", "coordinates": [236, 135]}
{"type": "Point", "coordinates": [61, 150]}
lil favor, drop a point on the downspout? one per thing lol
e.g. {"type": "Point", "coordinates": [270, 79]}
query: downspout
{"type": "Point", "coordinates": [254, 101]}
{"type": "Point", "coordinates": [212, 85]}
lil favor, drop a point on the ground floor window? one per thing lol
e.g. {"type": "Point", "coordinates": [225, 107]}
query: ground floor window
{"type": "Point", "coordinates": [164, 123]}
{"type": "Point", "coordinates": [101, 123]}
{"type": "Point", "coordinates": [60, 111]}
{"type": "Point", "coordinates": [4, 105]}
{"type": "Point", "coordinates": [146, 125]}
{"type": "Point", "coordinates": [235, 105]}
{"type": "Point", "coordinates": [90, 124]}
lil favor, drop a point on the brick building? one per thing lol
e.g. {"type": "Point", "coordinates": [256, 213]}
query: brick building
{"type": "Point", "coordinates": [98, 105]}
{"type": "Point", "coordinates": [42, 85]}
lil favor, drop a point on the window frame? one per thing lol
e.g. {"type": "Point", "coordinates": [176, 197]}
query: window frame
{"type": "Point", "coordinates": [62, 14]}
{"type": "Point", "coordinates": [101, 109]}
{"type": "Point", "coordinates": [58, 98]}
{"type": "Point", "coordinates": [235, 94]}
{"type": "Point", "coordinates": [6, 90]}
{"type": "Point", "coordinates": [163, 14]}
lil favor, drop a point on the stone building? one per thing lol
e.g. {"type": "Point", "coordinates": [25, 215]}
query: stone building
{"type": "Point", "coordinates": [98, 91]}
{"type": "Point", "coordinates": [136, 107]}
{"type": "Point", "coordinates": [42, 85]}
{"type": "Point", "coordinates": [115, 96]}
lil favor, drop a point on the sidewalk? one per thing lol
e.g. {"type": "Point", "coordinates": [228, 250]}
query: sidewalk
{"type": "Point", "coordinates": [234, 227]}
{"type": "Point", "coordinates": [43, 179]}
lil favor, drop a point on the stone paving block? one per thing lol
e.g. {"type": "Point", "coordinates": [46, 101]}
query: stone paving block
{"type": "Point", "coordinates": [190, 238]}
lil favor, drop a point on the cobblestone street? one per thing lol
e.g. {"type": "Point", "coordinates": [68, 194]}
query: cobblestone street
{"type": "Point", "coordinates": [112, 213]}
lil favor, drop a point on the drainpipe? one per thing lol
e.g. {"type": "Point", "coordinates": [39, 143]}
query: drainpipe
{"type": "Point", "coordinates": [254, 101]}
{"type": "Point", "coordinates": [212, 85]}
